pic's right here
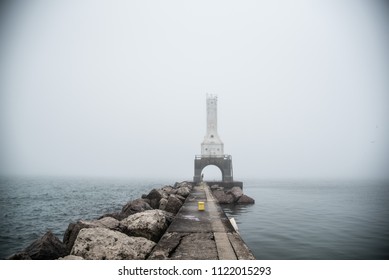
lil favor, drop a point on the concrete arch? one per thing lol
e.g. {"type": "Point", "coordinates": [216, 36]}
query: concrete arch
{"type": "Point", "coordinates": [212, 173]}
{"type": "Point", "coordinates": [224, 163]}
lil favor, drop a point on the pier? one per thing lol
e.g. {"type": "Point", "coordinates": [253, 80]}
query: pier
{"type": "Point", "coordinates": [201, 235]}
{"type": "Point", "coordinates": [184, 222]}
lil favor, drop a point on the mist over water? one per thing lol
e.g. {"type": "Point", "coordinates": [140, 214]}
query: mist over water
{"type": "Point", "coordinates": [92, 88]}
{"type": "Point", "coordinates": [116, 90]}
{"type": "Point", "coordinates": [291, 219]}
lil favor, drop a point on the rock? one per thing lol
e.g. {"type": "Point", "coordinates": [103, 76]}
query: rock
{"type": "Point", "coordinates": [71, 257]}
{"type": "Point", "coordinates": [74, 228]}
{"type": "Point", "coordinates": [222, 197]}
{"type": "Point", "coordinates": [183, 191]}
{"type": "Point", "coordinates": [236, 192]}
{"type": "Point", "coordinates": [162, 204]}
{"type": "Point", "coordinates": [244, 199]}
{"type": "Point", "coordinates": [20, 256]}
{"type": "Point", "coordinates": [154, 196]}
{"type": "Point", "coordinates": [216, 187]}
{"type": "Point", "coordinates": [105, 244]}
{"type": "Point", "coordinates": [135, 206]}
{"type": "Point", "coordinates": [116, 215]}
{"type": "Point", "coordinates": [71, 235]}
{"type": "Point", "coordinates": [169, 190]}
{"type": "Point", "coordinates": [163, 194]}
{"type": "Point", "coordinates": [48, 247]}
{"type": "Point", "coordinates": [180, 198]}
{"type": "Point", "coordinates": [150, 224]}
{"type": "Point", "coordinates": [109, 222]}
{"type": "Point", "coordinates": [173, 204]}
{"type": "Point", "coordinates": [183, 184]}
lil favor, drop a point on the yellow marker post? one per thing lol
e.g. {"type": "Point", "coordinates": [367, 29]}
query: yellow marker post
{"type": "Point", "coordinates": [201, 206]}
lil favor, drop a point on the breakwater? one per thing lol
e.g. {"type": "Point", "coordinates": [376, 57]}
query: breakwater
{"type": "Point", "coordinates": [203, 235]}
{"type": "Point", "coordinates": [131, 233]}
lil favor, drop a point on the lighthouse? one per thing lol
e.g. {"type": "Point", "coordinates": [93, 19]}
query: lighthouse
{"type": "Point", "coordinates": [212, 145]}
{"type": "Point", "coordinates": [212, 149]}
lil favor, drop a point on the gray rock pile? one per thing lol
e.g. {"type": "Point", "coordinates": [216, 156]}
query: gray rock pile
{"type": "Point", "coordinates": [233, 195]}
{"type": "Point", "coordinates": [131, 233]}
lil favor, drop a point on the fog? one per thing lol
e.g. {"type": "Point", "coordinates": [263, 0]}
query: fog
{"type": "Point", "coordinates": [118, 88]}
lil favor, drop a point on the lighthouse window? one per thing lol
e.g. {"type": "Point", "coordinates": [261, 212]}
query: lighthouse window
{"type": "Point", "coordinates": [211, 135]}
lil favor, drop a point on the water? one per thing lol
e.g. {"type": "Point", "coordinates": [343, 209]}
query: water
{"type": "Point", "coordinates": [315, 219]}
{"type": "Point", "coordinates": [31, 206]}
{"type": "Point", "coordinates": [290, 219]}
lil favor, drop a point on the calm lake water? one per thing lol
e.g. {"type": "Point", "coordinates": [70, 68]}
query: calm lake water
{"type": "Point", "coordinates": [290, 219]}
{"type": "Point", "coordinates": [315, 219]}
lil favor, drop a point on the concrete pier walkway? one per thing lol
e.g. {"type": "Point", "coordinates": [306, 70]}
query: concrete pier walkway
{"type": "Point", "coordinates": [201, 235]}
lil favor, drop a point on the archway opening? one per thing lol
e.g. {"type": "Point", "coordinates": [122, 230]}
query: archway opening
{"type": "Point", "coordinates": [212, 173]}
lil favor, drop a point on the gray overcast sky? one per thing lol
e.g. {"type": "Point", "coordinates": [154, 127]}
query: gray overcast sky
{"type": "Point", "coordinates": [117, 88]}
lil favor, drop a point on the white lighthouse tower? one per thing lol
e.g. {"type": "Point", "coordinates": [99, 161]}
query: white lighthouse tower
{"type": "Point", "coordinates": [212, 145]}
{"type": "Point", "coordinates": [212, 149]}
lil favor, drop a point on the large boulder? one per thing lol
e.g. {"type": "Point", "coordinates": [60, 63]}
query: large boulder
{"type": "Point", "coordinates": [180, 197]}
{"type": "Point", "coordinates": [106, 244]}
{"type": "Point", "coordinates": [48, 247]}
{"type": "Point", "coordinates": [244, 199]}
{"type": "Point", "coordinates": [136, 206]}
{"type": "Point", "coordinates": [163, 203]}
{"type": "Point", "coordinates": [173, 204]}
{"type": "Point", "coordinates": [20, 256]}
{"type": "Point", "coordinates": [154, 196]}
{"type": "Point", "coordinates": [223, 197]}
{"type": "Point", "coordinates": [183, 184]}
{"type": "Point", "coordinates": [71, 257]}
{"type": "Point", "coordinates": [108, 222]}
{"type": "Point", "coordinates": [169, 190]}
{"type": "Point", "coordinates": [183, 191]}
{"type": "Point", "coordinates": [163, 193]}
{"type": "Point", "coordinates": [74, 228]}
{"type": "Point", "coordinates": [150, 224]}
{"type": "Point", "coordinates": [116, 215]}
{"type": "Point", "coordinates": [236, 192]}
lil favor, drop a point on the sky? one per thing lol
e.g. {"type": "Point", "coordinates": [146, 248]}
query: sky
{"type": "Point", "coordinates": [118, 88]}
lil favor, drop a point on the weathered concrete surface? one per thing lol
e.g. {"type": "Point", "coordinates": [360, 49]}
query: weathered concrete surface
{"type": "Point", "coordinates": [185, 246]}
{"type": "Point", "coordinates": [241, 250]}
{"type": "Point", "coordinates": [204, 235]}
{"type": "Point", "coordinates": [224, 247]}
{"type": "Point", "coordinates": [224, 185]}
